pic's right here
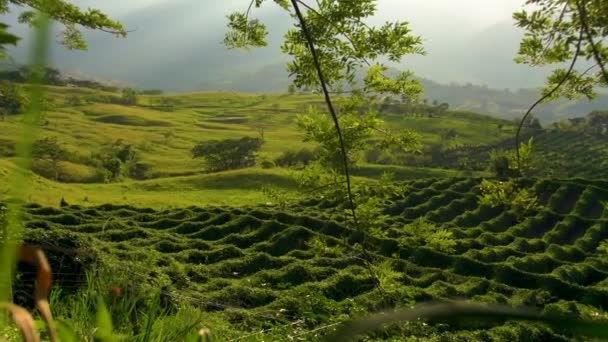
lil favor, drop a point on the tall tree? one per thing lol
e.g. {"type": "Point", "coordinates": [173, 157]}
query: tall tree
{"type": "Point", "coordinates": [329, 45]}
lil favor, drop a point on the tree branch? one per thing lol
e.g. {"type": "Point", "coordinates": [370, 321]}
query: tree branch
{"type": "Point", "coordinates": [329, 103]}
{"type": "Point", "coordinates": [247, 21]}
{"type": "Point", "coordinates": [549, 94]}
{"type": "Point", "coordinates": [552, 34]}
{"type": "Point", "coordinates": [596, 54]}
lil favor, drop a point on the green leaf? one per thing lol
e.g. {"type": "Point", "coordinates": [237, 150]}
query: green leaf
{"type": "Point", "coordinates": [65, 332]}
{"type": "Point", "coordinates": [104, 323]}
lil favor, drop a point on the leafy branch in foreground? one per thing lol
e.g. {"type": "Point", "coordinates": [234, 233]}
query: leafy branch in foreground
{"type": "Point", "coordinates": [69, 15]}
{"type": "Point", "coordinates": [330, 44]}
{"type": "Point", "coordinates": [558, 31]}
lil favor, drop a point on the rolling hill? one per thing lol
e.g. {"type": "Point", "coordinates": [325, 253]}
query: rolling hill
{"type": "Point", "coordinates": [163, 140]}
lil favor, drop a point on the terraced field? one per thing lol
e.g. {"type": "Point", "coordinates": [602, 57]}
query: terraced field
{"type": "Point", "coordinates": [262, 268]}
{"type": "Point", "coordinates": [561, 154]}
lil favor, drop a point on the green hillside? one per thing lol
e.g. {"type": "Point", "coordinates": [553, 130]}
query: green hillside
{"type": "Point", "coordinates": [270, 274]}
{"type": "Point", "coordinates": [163, 129]}
{"type": "Point", "coordinates": [557, 153]}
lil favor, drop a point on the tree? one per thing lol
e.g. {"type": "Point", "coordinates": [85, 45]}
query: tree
{"type": "Point", "coordinates": [228, 154]}
{"type": "Point", "coordinates": [560, 31]}
{"type": "Point", "coordinates": [49, 149]}
{"type": "Point", "coordinates": [116, 157]}
{"type": "Point", "coordinates": [12, 100]}
{"type": "Point", "coordinates": [129, 97]}
{"type": "Point", "coordinates": [329, 45]}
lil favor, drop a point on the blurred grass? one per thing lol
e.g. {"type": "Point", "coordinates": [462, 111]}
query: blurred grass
{"type": "Point", "coordinates": [19, 179]}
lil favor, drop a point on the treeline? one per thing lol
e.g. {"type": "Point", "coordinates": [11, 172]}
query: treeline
{"type": "Point", "coordinates": [52, 76]}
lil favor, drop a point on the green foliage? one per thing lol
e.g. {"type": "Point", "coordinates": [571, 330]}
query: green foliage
{"type": "Point", "coordinates": [12, 99]}
{"type": "Point", "coordinates": [345, 45]}
{"type": "Point", "coordinates": [296, 159]}
{"type": "Point", "coordinates": [357, 132]}
{"type": "Point", "coordinates": [104, 331]}
{"type": "Point", "coordinates": [129, 97]}
{"type": "Point", "coordinates": [425, 233]}
{"type": "Point", "coordinates": [49, 149]}
{"type": "Point", "coordinates": [504, 163]}
{"type": "Point", "coordinates": [228, 154]}
{"type": "Point", "coordinates": [557, 31]}
{"type": "Point", "coordinates": [119, 158]}
{"type": "Point", "coordinates": [277, 196]}
{"type": "Point", "coordinates": [344, 42]}
{"type": "Point", "coordinates": [389, 279]}
{"type": "Point", "coordinates": [6, 38]}
{"type": "Point", "coordinates": [508, 195]}
{"type": "Point", "coordinates": [67, 14]}
{"type": "Point", "coordinates": [370, 200]}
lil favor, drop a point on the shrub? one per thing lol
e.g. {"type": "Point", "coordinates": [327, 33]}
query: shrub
{"type": "Point", "coordinates": [138, 170]}
{"type": "Point", "coordinates": [297, 159]}
{"type": "Point", "coordinates": [504, 163]}
{"type": "Point", "coordinates": [508, 195]}
{"type": "Point", "coordinates": [428, 234]}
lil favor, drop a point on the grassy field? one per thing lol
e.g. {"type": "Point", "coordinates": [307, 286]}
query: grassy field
{"type": "Point", "coordinates": [556, 153]}
{"type": "Point", "coordinates": [261, 274]}
{"type": "Point", "coordinates": [163, 139]}
{"type": "Point", "coordinates": [191, 249]}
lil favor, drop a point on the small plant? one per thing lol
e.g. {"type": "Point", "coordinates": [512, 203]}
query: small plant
{"type": "Point", "coordinates": [428, 234]}
{"type": "Point", "coordinates": [277, 196]}
{"type": "Point", "coordinates": [504, 163]}
{"type": "Point", "coordinates": [508, 195]}
{"type": "Point", "coordinates": [388, 278]}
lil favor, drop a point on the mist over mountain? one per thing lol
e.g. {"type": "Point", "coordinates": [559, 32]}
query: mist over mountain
{"type": "Point", "coordinates": [186, 53]}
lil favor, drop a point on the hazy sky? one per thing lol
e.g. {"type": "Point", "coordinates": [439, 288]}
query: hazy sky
{"type": "Point", "coordinates": [467, 14]}
{"type": "Point", "coordinates": [466, 40]}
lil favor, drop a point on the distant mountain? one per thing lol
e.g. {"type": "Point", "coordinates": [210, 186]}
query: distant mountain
{"type": "Point", "coordinates": [503, 103]}
{"type": "Point", "coordinates": [186, 53]}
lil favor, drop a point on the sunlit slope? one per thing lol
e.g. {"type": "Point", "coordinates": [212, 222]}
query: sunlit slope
{"type": "Point", "coordinates": [165, 138]}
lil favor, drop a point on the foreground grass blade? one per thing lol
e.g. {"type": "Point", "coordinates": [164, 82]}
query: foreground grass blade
{"type": "Point", "coordinates": [44, 279]}
{"type": "Point", "coordinates": [20, 178]}
{"type": "Point", "coordinates": [23, 320]}
{"type": "Point", "coordinates": [462, 311]}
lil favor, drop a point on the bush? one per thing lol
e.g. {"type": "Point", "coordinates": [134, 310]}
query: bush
{"type": "Point", "coordinates": [129, 97]}
{"type": "Point", "coordinates": [267, 164]}
{"type": "Point", "coordinates": [428, 234]}
{"type": "Point", "coordinates": [297, 159]}
{"type": "Point", "coordinates": [228, 154]}
{"type": "Point", "coordinates": [508, 195]}
{"type": "Point", "coordinates": [139, 170]}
